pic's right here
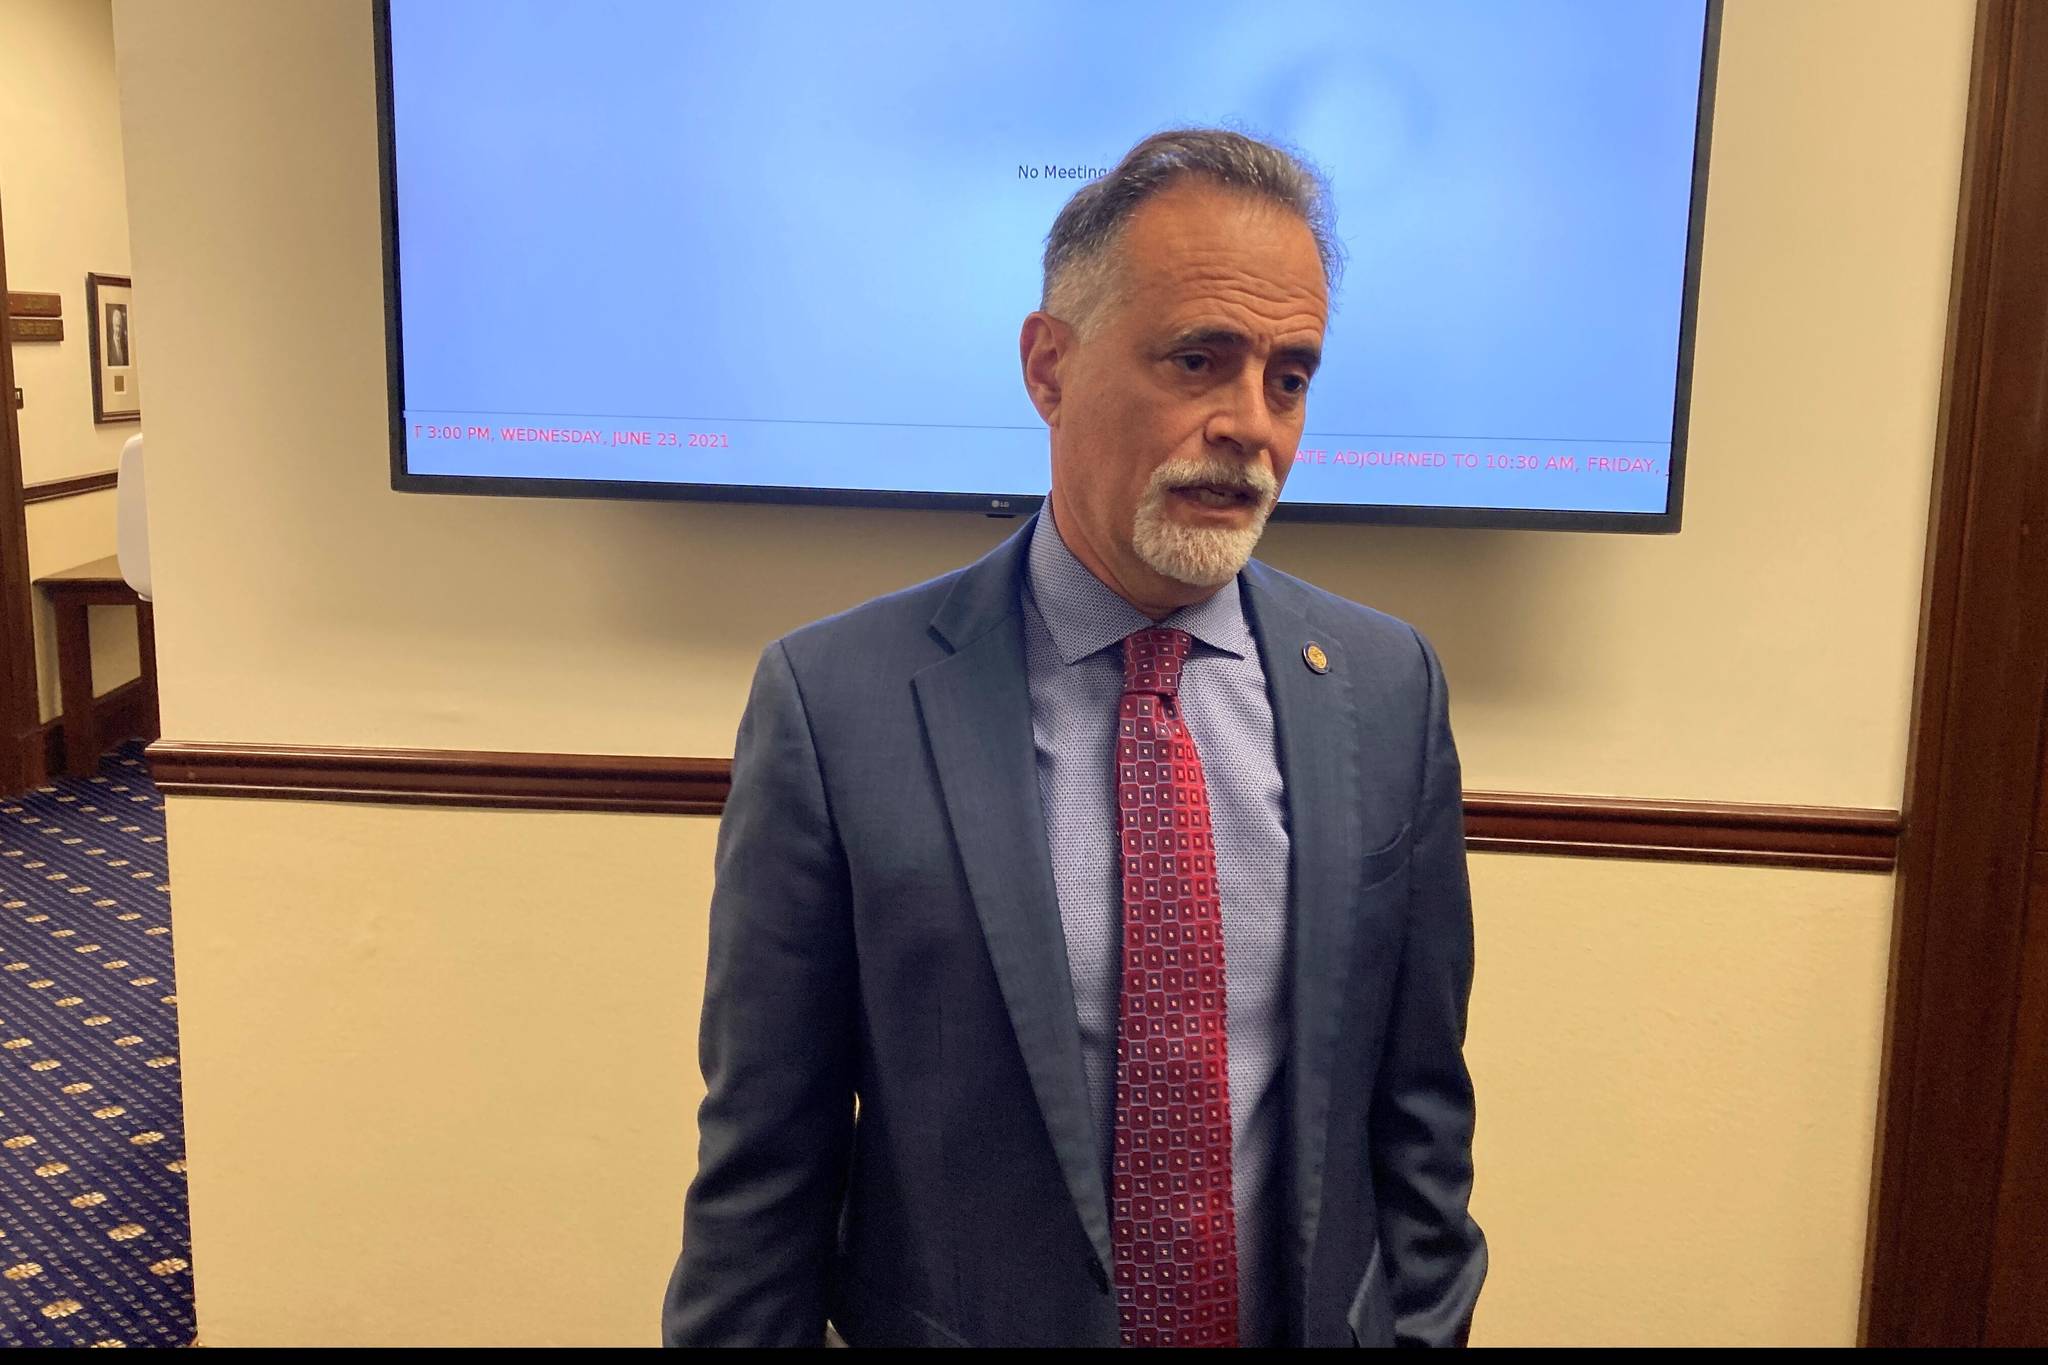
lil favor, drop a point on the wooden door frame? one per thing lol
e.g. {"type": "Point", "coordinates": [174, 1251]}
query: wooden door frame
{"type": "Point", "coordinates": [21, 741]}
{"type": "Point", "coordinates": [1954, 1032]}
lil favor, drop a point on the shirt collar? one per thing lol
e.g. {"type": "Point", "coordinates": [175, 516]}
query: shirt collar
{"type": "Point", "coordinates": [1083, 615]}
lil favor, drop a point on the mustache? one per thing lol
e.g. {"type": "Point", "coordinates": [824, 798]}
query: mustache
{"type": "Point", "coordinates": [1252, 480]}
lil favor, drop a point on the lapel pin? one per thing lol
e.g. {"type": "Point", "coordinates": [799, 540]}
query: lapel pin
{"type": "Point", "coordinates": [1312, 655]}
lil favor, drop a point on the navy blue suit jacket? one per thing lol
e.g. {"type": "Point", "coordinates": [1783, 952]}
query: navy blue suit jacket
{"type": "Point", "coordinates": [897, 1132]}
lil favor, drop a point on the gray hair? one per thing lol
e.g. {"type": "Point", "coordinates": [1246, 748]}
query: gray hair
{"type": "Point", "coordinates": [1081, 251]}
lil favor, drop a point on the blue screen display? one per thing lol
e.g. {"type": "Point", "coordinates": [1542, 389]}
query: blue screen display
{"type": "Point", "coordinates": [788, 246]}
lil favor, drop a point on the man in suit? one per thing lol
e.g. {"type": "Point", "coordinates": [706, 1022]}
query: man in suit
{"type": "Point", "coordinates": [1091, 941]}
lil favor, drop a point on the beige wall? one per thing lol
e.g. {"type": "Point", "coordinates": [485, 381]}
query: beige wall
{"type": "Point", "coordinates": [440, 1079]}
{"type": "Point", "coordinates": [396, 1019]}
{"type": "Point", "coordinates": [66, 216]}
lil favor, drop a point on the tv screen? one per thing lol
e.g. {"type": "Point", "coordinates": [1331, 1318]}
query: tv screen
{"type": "Point", "coordinates": [781, 251]}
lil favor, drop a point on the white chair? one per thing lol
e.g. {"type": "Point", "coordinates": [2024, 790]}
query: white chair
{"type": "Point", "coordinates": [131, 521]}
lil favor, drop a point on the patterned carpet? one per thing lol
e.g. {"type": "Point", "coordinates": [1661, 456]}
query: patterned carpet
{"type": "Point", "coordinates": [95, 1236]}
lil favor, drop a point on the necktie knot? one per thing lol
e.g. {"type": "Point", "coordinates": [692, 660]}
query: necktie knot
{"type": "Point", "coordinates": [1152, 660]}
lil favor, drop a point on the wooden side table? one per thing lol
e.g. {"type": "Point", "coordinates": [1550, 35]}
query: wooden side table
{"type": "Point", "coordinates": [98, 584]}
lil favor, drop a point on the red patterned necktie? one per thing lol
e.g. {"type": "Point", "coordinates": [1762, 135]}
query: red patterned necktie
{"type": "Point", "coordinates": [1173, 1226]}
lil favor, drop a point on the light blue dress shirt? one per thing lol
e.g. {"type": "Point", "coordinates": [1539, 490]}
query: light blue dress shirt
{"type": "Point", "coordinates": [1074, 627]}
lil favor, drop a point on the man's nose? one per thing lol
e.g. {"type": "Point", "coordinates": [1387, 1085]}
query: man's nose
{"type": "Point", "coordinates": [1244, 418]}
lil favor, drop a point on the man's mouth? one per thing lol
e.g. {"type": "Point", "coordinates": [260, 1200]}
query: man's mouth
{"type": "Point", "coordinates": [1216, 495]}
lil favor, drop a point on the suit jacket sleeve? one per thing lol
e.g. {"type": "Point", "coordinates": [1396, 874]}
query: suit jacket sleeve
{"type": "Point", "coordinates": [1422, 1113]}
{"type": "Point", "coordinates": [777, 1046]}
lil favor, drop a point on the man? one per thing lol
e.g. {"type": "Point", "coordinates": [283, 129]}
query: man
{"type": "Point", "coordinates": [1091, 939]}
{"type": "Point", "coordinates": [117, 334]}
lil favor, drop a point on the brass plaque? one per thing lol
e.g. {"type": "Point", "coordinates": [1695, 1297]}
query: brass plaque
{"type": "Point", "coordinates": [35, 329]}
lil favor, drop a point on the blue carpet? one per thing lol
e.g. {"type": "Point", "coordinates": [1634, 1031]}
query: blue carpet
{"type": "Point", "coordinates": [95, 1233]}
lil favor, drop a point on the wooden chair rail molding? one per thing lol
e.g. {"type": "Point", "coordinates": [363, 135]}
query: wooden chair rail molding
{"type": "Point", "coordinates": [69, 488]}
{"type": "Point", "coordinates": [443, 777]}
{"type": "Point", "coordinates": [1819, 837]}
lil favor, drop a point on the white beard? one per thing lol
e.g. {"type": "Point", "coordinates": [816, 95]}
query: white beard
{"type": "Point", "coordinates": [1201, 556]}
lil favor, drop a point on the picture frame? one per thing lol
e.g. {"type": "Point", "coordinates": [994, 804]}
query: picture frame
{"type": "Point", "coordinates": [110, 335]}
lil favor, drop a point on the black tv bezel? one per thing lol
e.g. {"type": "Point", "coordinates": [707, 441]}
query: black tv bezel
{"type": "Point", "coordinates": [1666, 522]}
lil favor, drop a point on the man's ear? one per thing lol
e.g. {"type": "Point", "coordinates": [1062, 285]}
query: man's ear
{"type": "Point", "coordinates": [1042, 345]}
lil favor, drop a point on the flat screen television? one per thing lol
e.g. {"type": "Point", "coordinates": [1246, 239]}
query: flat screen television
{"type": "Point", "coordinates": [780, 252]}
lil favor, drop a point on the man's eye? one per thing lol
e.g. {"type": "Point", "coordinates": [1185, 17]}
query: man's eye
{"type": "Point", "coordinates": [1192, 361]}
{"type": "Point", "coordinates": [1295, 383]}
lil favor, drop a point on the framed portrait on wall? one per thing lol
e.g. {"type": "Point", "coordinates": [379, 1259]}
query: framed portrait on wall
{"type": "Point", "coordinates": [110, 334]}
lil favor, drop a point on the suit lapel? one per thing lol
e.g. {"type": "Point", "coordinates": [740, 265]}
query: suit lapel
{"type": "Point", "coordinates": [1316, 730]}
{"type": "Point", "coordinates": [976, 706]}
